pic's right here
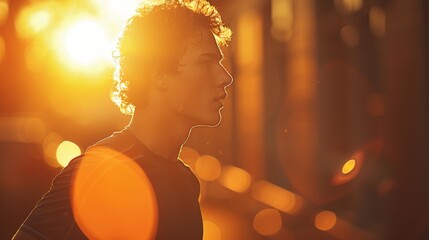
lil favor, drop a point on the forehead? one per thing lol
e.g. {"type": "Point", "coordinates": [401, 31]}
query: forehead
{"type": "Point", "coordinates": [202, 42]}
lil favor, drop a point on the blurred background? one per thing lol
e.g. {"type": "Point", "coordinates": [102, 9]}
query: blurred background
{"type": "Point", "coordinates": [324, 134]}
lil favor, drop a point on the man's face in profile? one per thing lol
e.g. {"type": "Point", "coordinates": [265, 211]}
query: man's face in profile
{"type": "Point", "coordinates": [197, 92]}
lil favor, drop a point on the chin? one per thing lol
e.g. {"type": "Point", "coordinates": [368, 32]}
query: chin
{"type": "Point", "coordinates": [212, 122]}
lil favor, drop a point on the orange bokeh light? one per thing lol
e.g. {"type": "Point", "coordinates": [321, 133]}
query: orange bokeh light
{"type": "Point", "coordinates": [208, 168]}
{"type": "Point", "coordinates": [349, 169]}
{"type": "Point", "coordinates": [277, 197]}
{"type": "Point", "coordinates": [325, 220]}
{"type": "Point", "coordinates": [267, 222]}
{"type": "Point", "coordinates": [235, 179]}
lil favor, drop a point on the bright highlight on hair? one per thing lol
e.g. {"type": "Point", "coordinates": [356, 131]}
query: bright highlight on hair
{"type": "Point", "coordinates": [150, 43]}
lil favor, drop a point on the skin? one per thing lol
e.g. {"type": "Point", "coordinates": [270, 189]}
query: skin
{"type": "Point", "coordinates": [177, 103]}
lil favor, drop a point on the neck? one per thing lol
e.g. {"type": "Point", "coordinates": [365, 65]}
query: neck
{"type": "Point", "coordinates": [158, 133]}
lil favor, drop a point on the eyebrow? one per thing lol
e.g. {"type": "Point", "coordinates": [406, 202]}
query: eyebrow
{"type": "Point", "coordinates": [215, 56]}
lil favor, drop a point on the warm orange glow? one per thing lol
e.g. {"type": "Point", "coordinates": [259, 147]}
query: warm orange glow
{"type": "Point", "coordinates": [66, 151]}
{"type": "Point", "coordinates": [22, 129]}
{"type": "Point", "coordinates": [50, 144]}
{"type": "Point", "coordinates": [35, 57]}
{"type": "Point", "coordinates": [249, 92]}
{"type": "Point", "coordinates": [112, 198]}
{"type": "Point", "coordinates": [207, 168]}
{"type": "Point", "coordinates": [211, 231]}
{"type": "Point", "coordinates": [4, 11]}
{"type": "Point", "coordinates": [282, 19]}
{"type": "Point", "coordinates": [267, 222]}
{"type": "Point", "coordinates": [349, 169]}
{"type": "Point", "coordinates": [350, 36]}
{"type": "Point", "coordinates": [33, 130]}
{"type": "Point", "coordinates": [82, 42]}
{"type": "Point", "coordinates": [277, 197]}
{"type": "Point", "coordinates": [349, 5]}
{"type": "Point", "coordinates": [34, 18]}
{"type": "Point", "coordinates": [248, 35]}
{"type": "Point", "coordinates": [2, 49]}
{"type": "Point", "coordinates": [117, 10]}
{"type": "Point", "coordinates": [377, 21]}
{"type": "Point", "coordinates": [348, 166]}
{"type": "Point", "coordinates": [325, 220]}
{"type": "Point", "coordinates": [235, 179]}
{"type": "Point", "coordinates": [189, 156]}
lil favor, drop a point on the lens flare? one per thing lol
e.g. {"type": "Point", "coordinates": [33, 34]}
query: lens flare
{"type": "Point", "coordinates": [66, 151]}
{"type": "Point", "coordinates": [112, 197]}
{"type": "Point", "coordinates": [348, 166]}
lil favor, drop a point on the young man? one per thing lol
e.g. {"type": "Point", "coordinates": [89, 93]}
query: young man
{"type": "Point", "coordinates": [132, 185]}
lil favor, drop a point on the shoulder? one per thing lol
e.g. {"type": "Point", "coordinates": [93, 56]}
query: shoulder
{"type": "Point", "coordinates": [190, 177]}
{"type": "Point", "coordinates": [120, 141]}
{"type": "Point", "coordinates": [107, 186]}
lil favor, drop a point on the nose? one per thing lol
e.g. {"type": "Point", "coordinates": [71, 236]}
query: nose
{"type": "Point", "coordinates": [225, 78]}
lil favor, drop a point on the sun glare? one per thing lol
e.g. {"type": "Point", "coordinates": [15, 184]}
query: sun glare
{"type": "Point", "coordinates": [84, 42]}
{"type": "Point", "coordinates": [82, 36]}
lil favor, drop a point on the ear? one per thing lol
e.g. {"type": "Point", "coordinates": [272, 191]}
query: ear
{"type": "Point", "coordinates": [160, 80]}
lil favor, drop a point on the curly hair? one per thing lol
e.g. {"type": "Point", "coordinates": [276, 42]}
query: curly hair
{"type": "Point", "coordinates": [153, 41]}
